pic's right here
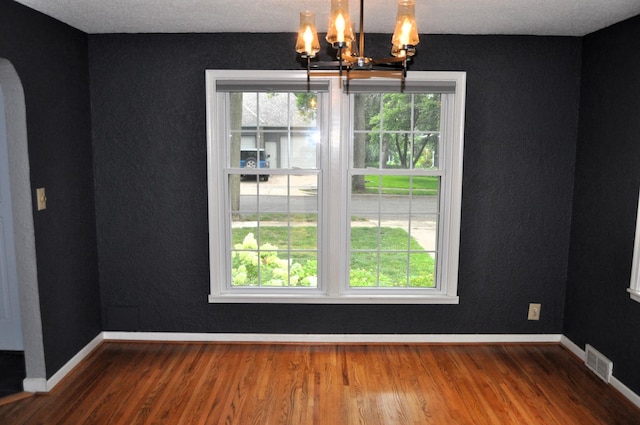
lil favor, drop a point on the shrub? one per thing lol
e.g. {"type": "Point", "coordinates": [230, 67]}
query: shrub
{"type": "Point", "coordinates": [263, 267]}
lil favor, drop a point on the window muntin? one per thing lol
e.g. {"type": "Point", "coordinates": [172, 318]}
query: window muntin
{"type": "Point", "coordinates": [273, 226]}
{"type": "Point", "coordinates": [394, 215]}
{"type": "Point", "coordinates": [393, 235]}
{"type": "Point", "coordinates": [276, 130]}
{"type": "Point", "coordinates": [401, 130]}
{"type": "Point", "coordinates": [330, 171]}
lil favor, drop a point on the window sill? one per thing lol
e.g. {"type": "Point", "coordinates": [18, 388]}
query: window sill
{"type": "Point", "coordinates": [635, 295]}
{"type": "Point", "coordinates": [325, 299]}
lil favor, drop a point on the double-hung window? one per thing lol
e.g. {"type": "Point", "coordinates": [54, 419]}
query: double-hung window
{"type": "Point", "coordinates": [328, 191]}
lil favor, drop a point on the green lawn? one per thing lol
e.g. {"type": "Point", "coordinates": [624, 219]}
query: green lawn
{"type": "Point", "coordinates": [397, 254]}
{"type": "Point", "coordinates": [398, 185]}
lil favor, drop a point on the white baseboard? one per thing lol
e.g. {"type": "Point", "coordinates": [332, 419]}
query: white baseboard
{"type": "Point", "coordinates": [615, 383]}
{"type": "Point", "coordinates": [35, 385]}
{"type": "Point", "coordinates": [625, 391]}
{"type": "Point", "coordinates": [40, 385]}
{"type": "Point", "coordinates": [579, 352]}
{"type": "Point", "coordinates": [331, 338]}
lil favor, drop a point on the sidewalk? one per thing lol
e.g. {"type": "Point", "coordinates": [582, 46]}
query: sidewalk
{"type": "Point", "coordinates": [424, 232]}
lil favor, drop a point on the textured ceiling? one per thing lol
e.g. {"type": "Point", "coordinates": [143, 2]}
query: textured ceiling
{"type": "Point", "coordinates": [541, 17]}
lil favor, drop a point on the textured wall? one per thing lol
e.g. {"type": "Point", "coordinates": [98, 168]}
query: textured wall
{"type": "Point", "coordinates": [51, 61]}
{"type": "Point", "coordinates": [599, 311]}
{"type": "Point", "coordinates": [148, 116]}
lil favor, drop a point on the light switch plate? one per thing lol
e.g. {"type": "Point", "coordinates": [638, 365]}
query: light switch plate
{"type": "Point", "coordinates": [534, 311]}
{"type": "Point", "coordinates": [41, 199]}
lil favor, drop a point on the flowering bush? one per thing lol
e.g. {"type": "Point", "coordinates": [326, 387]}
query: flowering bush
{"type": "Point", "coordinates": [263, 266]}
{"type": "Point", "coordinates": [253, 266]}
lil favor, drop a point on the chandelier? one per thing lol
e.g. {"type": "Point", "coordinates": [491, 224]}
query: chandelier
{"type": "Point", "coordinates": [351, 58]}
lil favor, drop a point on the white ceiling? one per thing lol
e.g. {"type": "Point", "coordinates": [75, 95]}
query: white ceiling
{"type": "Point", "coordinates": [529, 17]}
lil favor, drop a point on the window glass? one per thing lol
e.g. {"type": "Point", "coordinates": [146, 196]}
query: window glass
{"type": "Point", "coordinates": [396, 130]}
{"type": "Point", "coordinates": [273, 218]}
{"type": "Point", "coordinates": [393, 231]}
{"type": "Point", "coordinates": [273, 130]}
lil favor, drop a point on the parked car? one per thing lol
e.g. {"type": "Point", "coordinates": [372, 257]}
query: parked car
{"type": "Point", "coordinates": [255, 158]}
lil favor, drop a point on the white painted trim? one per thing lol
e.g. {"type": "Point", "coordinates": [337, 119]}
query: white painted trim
{"type": "Point", "coordinates": [568, 344]}
{"type": "Point", "coordinates": [330, 338]}
{"type": "Point", "coordinates": [75, 360]}
{"type": "Point", "coordinates": [333, 275]}
{"type": "Point", "coordinates": [625, 391]}
{"type": "Point", "coordinates": [429, 297]}
{"type": "Point", "coordinates": [634, 284]}
{"type": "Point", "coordinates": [634, 294]}
{"type": "Point", "coordinates": [615, 383]}
{"type": "Point", "coordinates": [24, 234]}
{"type": "Point", "coordinates": [37, 385]}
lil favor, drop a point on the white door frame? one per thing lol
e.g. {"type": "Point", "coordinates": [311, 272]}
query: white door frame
{"type": "Point", "coordinates": [10, 322]}
{"type": "Point", "coordinates": [23, 226]}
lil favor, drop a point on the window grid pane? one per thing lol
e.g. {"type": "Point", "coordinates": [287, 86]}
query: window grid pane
{"type": "Point", "coordinates": [396, 130]}
{"type": "Point", "coordinates": [273, 217]}
{"type": "Point", "coordinates": [394, 213]}
{"type": "Point", "coordinates": [272, 130]}
{"type": "Point", "coordinates": [274, 231]}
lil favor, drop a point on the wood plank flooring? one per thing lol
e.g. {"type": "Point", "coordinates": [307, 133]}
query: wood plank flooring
{"type": "Point", "coordinates": [250, 384]}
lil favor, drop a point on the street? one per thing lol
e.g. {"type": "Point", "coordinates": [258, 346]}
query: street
{"type": "Point", "coordinates": [389, 209]}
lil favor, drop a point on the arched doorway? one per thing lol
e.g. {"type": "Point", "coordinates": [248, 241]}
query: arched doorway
{"type": "Point", "coordinates": [16, 128]}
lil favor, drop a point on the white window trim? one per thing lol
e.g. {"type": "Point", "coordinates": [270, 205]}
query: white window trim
{"type": "Point", "coordinates": [335, 290]}
{"type": "Point", "coordinates": [634, 286]}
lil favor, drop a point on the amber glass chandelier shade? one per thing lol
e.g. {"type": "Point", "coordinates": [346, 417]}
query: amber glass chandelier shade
{"type": "Point", "coordinates": [308, 44]}
{"type": "Point", "coordinates": [340, 30]}
{"type": "Point", "coordinates": [350, 59]}
{"type": "Point", "coordinates": [406, 31]}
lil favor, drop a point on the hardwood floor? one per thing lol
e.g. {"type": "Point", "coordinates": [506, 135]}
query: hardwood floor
{"type": "Point", "coordinates": [246, 384]}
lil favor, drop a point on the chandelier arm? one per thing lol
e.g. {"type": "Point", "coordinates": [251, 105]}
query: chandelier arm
{"type": "Point", "coordinates": [350, 59]}
{"type": "Point", "coordinates": [389, 60]}
{"type": "Point", "coordinates": [356, 74]}
{"type": "Point", "coordinates": [361, 35]}
{"type": "Point", "coordinates": [325, 65]}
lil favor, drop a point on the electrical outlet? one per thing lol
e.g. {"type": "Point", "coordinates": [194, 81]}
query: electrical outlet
{"type": "Point", "coordinates": [534, 311]}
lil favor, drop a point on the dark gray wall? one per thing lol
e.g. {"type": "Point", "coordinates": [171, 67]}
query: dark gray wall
{"type": "Point", "coordinates": [598, 309]}
{"type": "Point", "coordinates": [148, 118]}
{"type": "Point", "coordinates": [51, 60]}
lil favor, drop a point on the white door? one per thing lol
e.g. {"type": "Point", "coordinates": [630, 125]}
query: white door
{"type": "Point", "coordinates": [10, 326]}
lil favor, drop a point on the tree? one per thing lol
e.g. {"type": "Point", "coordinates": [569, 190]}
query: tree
{"type": "Point", "coordinates": [359, 146]}
{"type": "Point", "coordinates": [394, 117]}
{"type": "Point", "coordinates": [235, 118]}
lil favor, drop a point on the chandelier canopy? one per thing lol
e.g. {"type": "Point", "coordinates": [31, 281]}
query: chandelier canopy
{"type": "Point", "coordinates": [351, 58]}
